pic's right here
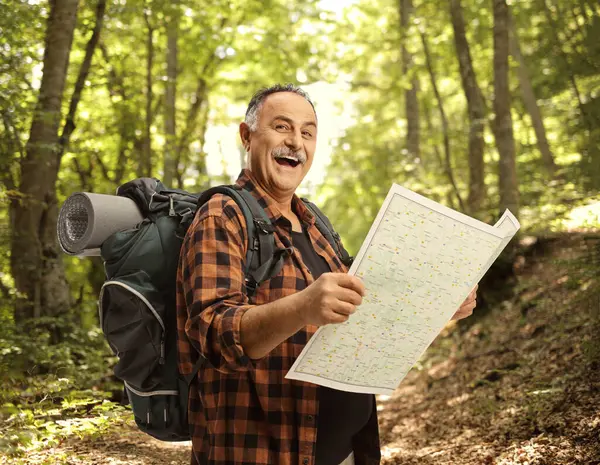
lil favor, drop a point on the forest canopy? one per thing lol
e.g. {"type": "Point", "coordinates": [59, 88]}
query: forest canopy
{"type": "Point", "coordinates": [480, 105]}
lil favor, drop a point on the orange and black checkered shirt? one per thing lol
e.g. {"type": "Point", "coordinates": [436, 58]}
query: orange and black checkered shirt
{"type": "Point", "coordinates": [243, 410]}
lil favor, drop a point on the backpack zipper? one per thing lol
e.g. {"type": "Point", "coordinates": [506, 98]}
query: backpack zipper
{"type": "Point", "coordinates": [171, 207]}
{"type": "Point", "coordinates": [138, 295]}
{"type": "Point", "coordinates": [163, 392]}
{"type": "Point", "coordinates": [161, 360]}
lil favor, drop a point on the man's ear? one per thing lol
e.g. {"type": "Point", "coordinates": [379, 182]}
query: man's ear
{"type": "Point", "coordinates": [245, 135]}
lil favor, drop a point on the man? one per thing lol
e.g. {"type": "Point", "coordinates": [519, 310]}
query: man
{"type": "Point", "coordinates": [242, 409]}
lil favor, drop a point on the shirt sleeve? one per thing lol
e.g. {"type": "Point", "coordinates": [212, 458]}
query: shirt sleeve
{"type": "Point", "coordinates": [212, 257]}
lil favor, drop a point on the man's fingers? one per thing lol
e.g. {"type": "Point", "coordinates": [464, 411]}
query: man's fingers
{"type": "Point", "coordinates": [349, 295]}
{"type": "Point", "coordinates": [350, 282]}
{"type": "Point", "coordinates": [338, 318]}
{"type": "Point", "coordinates": [344, 308]}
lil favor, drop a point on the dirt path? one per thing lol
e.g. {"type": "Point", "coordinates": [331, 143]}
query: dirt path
{"type": "Point", "coordinates": [128, 446]}
{"type": "Point", "coordinates": [520, 386]}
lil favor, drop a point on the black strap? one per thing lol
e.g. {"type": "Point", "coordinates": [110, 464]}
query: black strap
{"type": "Point", "coordinates": [262, 260]}
{"type": "Point", "coordinates": [326, 229]}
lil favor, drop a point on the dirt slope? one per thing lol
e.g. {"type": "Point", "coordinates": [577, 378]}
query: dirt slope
{"type": "Point", "coordinates": [521, 385]}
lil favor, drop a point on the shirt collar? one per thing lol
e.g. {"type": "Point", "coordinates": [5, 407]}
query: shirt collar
{"type": "Point", "coordinates": [247, 181]}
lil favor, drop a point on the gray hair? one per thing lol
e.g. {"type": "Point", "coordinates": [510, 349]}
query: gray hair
{"type": "Point", "coordinates": [259, 98]}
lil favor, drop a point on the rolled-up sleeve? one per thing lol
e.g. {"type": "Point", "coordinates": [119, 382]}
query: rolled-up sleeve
{"type": "Point", "coordinates": [212, 267]}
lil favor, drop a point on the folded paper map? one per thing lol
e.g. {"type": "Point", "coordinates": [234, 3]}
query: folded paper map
{"type": "Point", "coordinates": [419, 262]}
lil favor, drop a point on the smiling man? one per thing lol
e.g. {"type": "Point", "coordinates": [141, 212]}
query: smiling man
{"type": "Point", "coordinates": [242, 409]}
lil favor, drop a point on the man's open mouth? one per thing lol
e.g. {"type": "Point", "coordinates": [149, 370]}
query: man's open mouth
{"type": "Point", "coordinates": [285, 161]}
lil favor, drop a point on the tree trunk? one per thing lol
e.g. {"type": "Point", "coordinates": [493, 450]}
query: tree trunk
{"type": "Point", "coordinates": [145, 166]}
{"type": "Point", "coordinates": [440, 104]}
{"type": "Point", "coordinates": [586, 120]}
{"type": "Point", "coordinates": [84, 71]}
{"type": "Point", "coordinates": [530, 101]}
{"type": "Point", "coordinates": [36, 263]}
{"type": "Point", "coordinates": [508, 185]}
{"type": "Point", "coordinates": [411, 101]}
{"type": "Point", "coordinates": [475, 108]}
{"type": "Point", "coordinates": [126, 122]}
{"type": "Point", "coordinates": [170, 156]}
{"type": "Point", "coordinates": [191, 121]}
{"type": "Point", "coordinates": [202, 167]}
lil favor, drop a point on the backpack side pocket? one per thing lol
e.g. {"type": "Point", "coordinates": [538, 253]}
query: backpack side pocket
{"type": "Point", "coordinates": [132, 317]}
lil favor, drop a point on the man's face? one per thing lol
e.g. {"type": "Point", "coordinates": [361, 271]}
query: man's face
{"type": "Point", "coordinates": [282, 147]}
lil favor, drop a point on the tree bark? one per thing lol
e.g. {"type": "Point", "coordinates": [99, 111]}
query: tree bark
{"type": "Point", "coordinates": [440, 104]}
{"type": "Point", "coordinates": [530, 101]}
{"type": "Point", "coordinates": [586, 120]}
{"type": "Point", "coordinates": [36, 263]}
{"type": "Point", "coordinates": [411, 101]}
{"type": "Point", "coordinates": [191, 121]}
{"type": "Point", "coordinates": [145, 165]}
{"type": "Point", "coordinates": [475, 108]}
{"type": "Point", "coordinates": [202, 167]}
{"type": "Point", "coordinates": [170, 155]}
{"type": "Point", "coordinates": [84, 71]}
{"type": "Point", "coordinates": [127, 121]}
{"type": "Point", "coordinates": [508, 184]}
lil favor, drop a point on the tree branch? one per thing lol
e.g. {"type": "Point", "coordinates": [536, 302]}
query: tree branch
{"type": "Point", "coordinates": [438, 97]}
{"type": "Point", "coordinates": [84, 175]}
{"type": "Point", "coordinates": [201, 92]}
{"type": "Point", "coordinates": [114, 79]}
{"type": "Point", "coordinates": [69, 126]}
{"type": "Point", "coordinates": [7, 175]}
{"type": "Point", "coordinates": [104, 169]}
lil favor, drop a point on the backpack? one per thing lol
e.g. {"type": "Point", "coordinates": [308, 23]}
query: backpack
{"type": "Point", "coordinates": [137, 300]}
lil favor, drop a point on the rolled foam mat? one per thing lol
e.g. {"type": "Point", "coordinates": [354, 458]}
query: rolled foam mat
{"type": "Point", "coordinates": [86, 220]}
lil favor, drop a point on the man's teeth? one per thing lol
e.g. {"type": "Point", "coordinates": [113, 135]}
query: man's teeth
{"type": "Point", "coordinates": [293, 161]}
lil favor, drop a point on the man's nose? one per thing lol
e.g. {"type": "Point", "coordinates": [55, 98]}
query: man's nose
{"type": "Point", "coordinates": [294, 140]}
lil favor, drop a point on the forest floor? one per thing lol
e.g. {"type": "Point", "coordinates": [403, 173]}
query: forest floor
{"type": "Point", "coordinates": [518, 384]}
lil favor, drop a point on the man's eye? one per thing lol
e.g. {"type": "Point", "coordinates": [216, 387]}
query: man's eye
{"type": "Point", "coordinates": [306, 134]}
{"type": "Point", "coordinates": [282, 127]}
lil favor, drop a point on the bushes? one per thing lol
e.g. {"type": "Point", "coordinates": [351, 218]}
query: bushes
{"type": "Point", "coordinates": [53, 390]}
{"type": "Point", "coordinates": [82, 355]}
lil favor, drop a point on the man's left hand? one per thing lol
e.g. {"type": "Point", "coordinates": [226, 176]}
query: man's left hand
{"type": "Point", "coordinates": [466, 309]}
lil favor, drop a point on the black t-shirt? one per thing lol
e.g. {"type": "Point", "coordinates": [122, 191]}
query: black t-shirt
{"type": "Point", "coordinates": [341, 414]}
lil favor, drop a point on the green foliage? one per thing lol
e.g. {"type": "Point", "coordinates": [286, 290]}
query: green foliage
{"type": "Point", "coordinates": [50, 390]}
{"type": "Point", "coordinates": [50, 408]}
{"type": "Point", "coordinates": [555, 39]}
{"type": "Point", "coordinates": [228, 49]}
{"type": "Point", "coordinates": [82, 355]}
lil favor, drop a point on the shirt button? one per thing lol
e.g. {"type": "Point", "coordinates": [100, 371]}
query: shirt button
{"type": "Point", "coordinates": [305, 461]}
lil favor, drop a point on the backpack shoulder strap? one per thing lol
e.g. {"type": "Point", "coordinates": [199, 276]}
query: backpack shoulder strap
{"type": "Point", "coordinates": [262, 260]}
{"type": "Point", "coordinates": [326, 228]}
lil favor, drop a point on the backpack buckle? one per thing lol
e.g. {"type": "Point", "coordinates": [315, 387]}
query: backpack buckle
{"type": "Point", "coordinates": [250, 286]}
{"type": "Point", "coordinates": [264, 226]}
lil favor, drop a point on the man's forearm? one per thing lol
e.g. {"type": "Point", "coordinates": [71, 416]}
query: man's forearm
{"type": "Point", "coordinates": [266, 326]}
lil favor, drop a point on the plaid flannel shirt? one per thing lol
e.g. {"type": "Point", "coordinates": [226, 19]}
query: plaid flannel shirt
{"type": "Point", "coordinates": [243, 410]}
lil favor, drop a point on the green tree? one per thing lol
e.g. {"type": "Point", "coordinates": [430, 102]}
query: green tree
{"type": "Point", "coordinates": [35, 260]}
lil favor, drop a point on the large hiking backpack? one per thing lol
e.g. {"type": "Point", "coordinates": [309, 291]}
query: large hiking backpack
{"type": "Point", "coordinates": [137, 301]}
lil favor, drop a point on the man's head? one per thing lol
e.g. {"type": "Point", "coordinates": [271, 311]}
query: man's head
{"type": "Point", "coordinates": [280, 136]}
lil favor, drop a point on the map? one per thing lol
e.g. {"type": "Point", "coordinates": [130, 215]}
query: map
{"type": "Point", "coordinates": [419, 262]}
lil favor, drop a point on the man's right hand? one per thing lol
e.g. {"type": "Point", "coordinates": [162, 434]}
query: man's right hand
{"type": "Point", "coordinates": [332, 298]}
